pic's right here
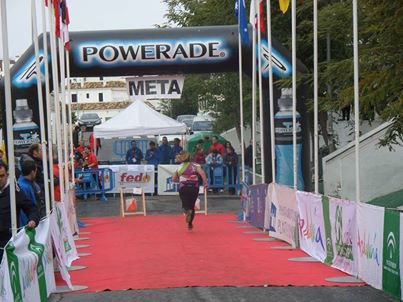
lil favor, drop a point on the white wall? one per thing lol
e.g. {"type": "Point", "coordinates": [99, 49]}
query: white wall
{"type": "Point", "coordinates": [92, 95]}
{"type": "Point", "coordinates": [381, 170]}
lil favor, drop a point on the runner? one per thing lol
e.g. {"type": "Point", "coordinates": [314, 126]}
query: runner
{"type": "Point", "coordinates": [187, 176]}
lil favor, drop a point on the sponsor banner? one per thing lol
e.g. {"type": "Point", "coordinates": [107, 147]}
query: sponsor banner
{"type": "Point", "coordinates": [258, 194]}
{"type": "Point", "coordinates": [268, 208]}
{"type": "Point", "coordinates": [155, 87]}
{"type": "Point", "coordinates": [391, 279]}
{"type": "Point", "coordinates": [343, 223]}
{"type": "Point", "coordinates": [165, 184]}
{"type": "Point", "coordinates": [132, 176]}
{"type": "Point", "coordinates": [311, 225]}
{"type": "Point", "coordinates": [284, 214]}
{"type": "Point", "coordinates": [69, 203]}
{"type": "Point", "coordinates": [27, 266]}
{"type": "Point", "coordinates": [370, 221]}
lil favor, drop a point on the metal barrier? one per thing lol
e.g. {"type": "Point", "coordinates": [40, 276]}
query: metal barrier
{"type": "Point", "coordinates": [94, 181]}
{"type": "Point", "coordinates": [223, 177]}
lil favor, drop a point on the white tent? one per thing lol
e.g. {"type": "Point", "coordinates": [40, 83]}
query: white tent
{"type": "Point", "coordinates": [137, 120]}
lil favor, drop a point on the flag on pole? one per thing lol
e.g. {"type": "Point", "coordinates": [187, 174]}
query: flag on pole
{"type": "Point", "coordinates": [261, 12]}
{"type": "Point", "coordinates": [284, 4]}
{"type": "Point", "coordinates": [65, 23]}
{"type": "Point", "coordinates": [240, 11]}
{"type": "Point", "coordinates": [46, 3]}
{"type": "Point", "coordinates": [253, 19]}
{"type": "Point", "coordinates": [56, 6]}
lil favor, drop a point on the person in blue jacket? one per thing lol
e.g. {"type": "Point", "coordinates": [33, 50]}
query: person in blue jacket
{"type": "Point", "coordinates": [165, 152]}
{"type": "Point", "coordinates": [176, 149]}
{"type": "Point", "coordinates": [134, 155]}
{"type": "Point", "coordinates": [26, 182]}
{"type": "Point", "coordinates": [153, 155]}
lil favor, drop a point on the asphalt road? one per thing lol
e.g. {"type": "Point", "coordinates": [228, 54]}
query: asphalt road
{"type": "Point", "coordinates": [170, 205]}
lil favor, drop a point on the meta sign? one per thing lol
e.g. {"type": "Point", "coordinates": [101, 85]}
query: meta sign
{"type": "Point", "coordinates": [158, 87]}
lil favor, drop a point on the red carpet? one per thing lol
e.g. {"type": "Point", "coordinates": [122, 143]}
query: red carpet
{"type": "Point", "coordinates": [159, 252]}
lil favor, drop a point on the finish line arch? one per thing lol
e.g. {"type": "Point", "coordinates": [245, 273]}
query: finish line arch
{"type": "Point", "coordinates": [164, 51]}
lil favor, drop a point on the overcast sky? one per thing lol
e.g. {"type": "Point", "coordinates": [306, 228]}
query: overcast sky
{"type": "Point", "coordinates": [84, 15]}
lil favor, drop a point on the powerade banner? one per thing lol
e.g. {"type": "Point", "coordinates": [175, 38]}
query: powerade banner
{"type": "Point", "coordinates": [283, 214]}
{"type": "Point", "coordinates": [258, 194]}
{"type": "Point", "coordinates": [27, 267]}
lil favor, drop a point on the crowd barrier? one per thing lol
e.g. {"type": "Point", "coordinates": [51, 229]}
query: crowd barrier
{"type": "Point", "coordinates": [94, 181]}
{"type": "Point", "coordinates": [27, 267]}
{"type": "Point", "coordinates": [357, 238]}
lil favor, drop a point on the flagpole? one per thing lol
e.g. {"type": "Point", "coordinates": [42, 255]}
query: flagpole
{"type": "Point", "coordinates": [294, 90]}
{"type": "Point", "coordinates": [9, 117]}
{"type": "Point", "coordinates": [70, 117]}
{"type": "Point", "coordinates": [48, 112]}
{"type": "Point", "coordinates": [64, 116]}
{"type": "Point", "coordinates": [271, 97]}
{"type": "Point", "coordinates": [40, 105]}
{"type": "Point", "coordinates": [261, 117]}
{"type": "Point", "coordinates": [254, 101]}
{"type": "Point", "coordinates": [55, 77]}
{"type": "Point", "coordinates": [241, 94]}
{"type": "Point", "coordinates": [315, 93]}
{"type": "Point", "coordinates": [356, 102]}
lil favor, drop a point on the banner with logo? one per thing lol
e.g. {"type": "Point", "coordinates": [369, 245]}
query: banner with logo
{"type": "Point", "coordinates": [27, 266]}
{"type": "Point", "coordinates": [155, 87]}
{"type": "Point", "coordinates": [165, 184]}
{"type": "Point", "coordinates": [69, 203]}
{"type": "Point", "coordinates": [284, 214]}
{"type": "Point", "coordinates": [391, 279]}
{"type": "Point", "coordinates": [311, 225]}
{"type": "Point", "coordinates": [245, 198]}
{"type": "Point", "coordinates": [268, 208]}
{"type": "Point", "coordinates": [342, 215]}
{"type": "Point", "coordinates": [258, 194]}
{"type": "Point", "coordinates": [132, 176]}
{"type": "Point", "coordinates": [370, 221]}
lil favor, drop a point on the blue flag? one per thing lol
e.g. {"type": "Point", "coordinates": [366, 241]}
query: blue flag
{"type": "Point", "coordinates": [240, 11]}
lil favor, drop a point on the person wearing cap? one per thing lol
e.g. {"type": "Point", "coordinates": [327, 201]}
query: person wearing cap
{"type": "Point", "coordinates": [187, 176]}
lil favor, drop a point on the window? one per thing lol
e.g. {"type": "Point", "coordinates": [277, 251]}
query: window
{"type": "Point", "coordinates": [101, 97]}
{"type": "Point", "coordinates": [88, 95]}
{"type": "Point", "coordinates": [74, 98]}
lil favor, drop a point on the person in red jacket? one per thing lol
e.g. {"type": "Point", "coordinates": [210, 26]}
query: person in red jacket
{"type": "Point", "coordinates": [217, 146]}
{"type": "Point", "coordinates": [98, 143]}
{"type": "Point", "coordinates": [199, 157]}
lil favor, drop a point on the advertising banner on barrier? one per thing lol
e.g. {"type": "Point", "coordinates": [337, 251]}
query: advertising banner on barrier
{"type": "Point", "coordinates": [71, 209]}
{"type": "Point", "coordinates": [370, 221]}
{"type": "Point", "coordinates": [258, 194]}
{"type": "Point", "coordinates": [27, 266]}
{"type": "Point", "coordinates": [284, 214]}
{"type": "Point", "coordinates": [391, 279]}
{"type": "Point", "coordinates": [311, 225]}
{"type": "Point", "coordinates": [343, 224]}
{"type": "Point", "coordinates": [165, 184]}
{"type": "Point", "coordinates": [268, 208]}
{"type": "Point", "coordinates": [132, 176]}
{"type": "Point", "coordinates": [245, 198]}
{"type": "Point", "coordinates": [401, 257]}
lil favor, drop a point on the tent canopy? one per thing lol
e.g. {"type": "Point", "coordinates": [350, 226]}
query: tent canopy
{"type": "Point", "coordinates": [137, 120]}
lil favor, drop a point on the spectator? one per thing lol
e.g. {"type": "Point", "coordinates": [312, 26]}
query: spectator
{"type": "Point", "coordinates": [134, 155]}
{"type": "Point", "coordinates": [231, 161]}
{"type": "Point", "coordinates": [199, 156]}
{"type": "Point", "coordinates": [35, 155]}
{"type": "Point", "coordinates": [214, 160]}
{"type": "Point", "coordinates": [80, 147]}
{"type": "Point", "coordinates": [76, 134]}
{"type": "Point", "coordinates": [22, 203]}
{"type": "Point", "coordinates": [26, 182]}
{"type": "Point", "coordinates": [249, 156]}
{"type": "Point", "coordinates": [217, 146]}
{"type": "Point", "coordinates": [2, 155]}
{"type": "Point", "coordinates": [176, 149]}
{"type": "Point", "coordinates": [90, 160]}
{"type": "Point", "coordinates": [152, 155]}
{"type": "Point", "coordinates": [165, 152]}
{"type": "Point", "coordinates": [56, 179]}
{"type": "Point", "coordinates": [98, 143]}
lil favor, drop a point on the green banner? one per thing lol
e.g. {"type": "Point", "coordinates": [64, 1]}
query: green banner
{"type": "Point", "coordinates": [328, 230]}
{"type": "Point", "coordinates": [14, 272]}
{"type": "Point", "coordinates": [38, 249]}
{"type": "Point", "coordinates": [391, 254]}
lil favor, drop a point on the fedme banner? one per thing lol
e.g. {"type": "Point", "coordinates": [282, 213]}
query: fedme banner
{"type": "Point", "coordinates": [132, 176]}
{"type": "Point", "coordinates": [283, 222]}
{"type": "Point", "coordinates": [257, 200]}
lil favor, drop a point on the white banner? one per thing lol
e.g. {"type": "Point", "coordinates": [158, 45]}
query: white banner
{"type": "Point", "coordinates": [71, 209]}
{"type": "Point", "coordinates": [311, 225]}
{"type": "Point", "coordinates": [284, 215]}
{"type": "Point", "coordinates": [343, 224]}
{"type": "Point", "coordinates": [370, 223]}
{"type": "Point", "coordinates": [132, 176]}
{"type": "Point", "coordinates": [268, 209]}
{"type": "Point", "coordinates": [27, 266]}
{"type": "Point", "coordinates": [155, 87]}
{"type": "Point", "coordinates": [165, 184]}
